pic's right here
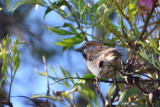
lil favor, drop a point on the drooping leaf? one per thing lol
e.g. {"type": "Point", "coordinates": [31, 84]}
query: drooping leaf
{"type": "Point", "coordinates": [67, 43]}
{"type": "Point", "coordinates": [63, 72]}
{"type": "Point", "coordinates": [59, 31]}
{"type": "Point", "coordinates": [71, 26]}
{"type": "Point", "coordinates": [42, 96]}
{"type": "Point", "coordinates": [5, 62]}
{"type": "Point", "coordinates": [23, 2]}
{"type": "Point", "coordinates": [131, 11]}
{"type": "Point", "coordinates": [127, 93]}
{"type": "Point", "coordinates": [89, 76]}
{"type": "Point", "coordinates": [88, 94]}
{"type": "Point", "coordinates": [47, 11]}
{"type": "Point", "coordinates": [8, 3]}
{"type": "Point", "coordinates": [52, 69]}
{"type": "Point", "coordinates": [2, 88]}
{"type": "Point", "coordinates": [110, 93]}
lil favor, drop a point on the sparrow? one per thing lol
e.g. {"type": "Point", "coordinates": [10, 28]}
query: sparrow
{"type": "Point", "coordinates": [101, 60]}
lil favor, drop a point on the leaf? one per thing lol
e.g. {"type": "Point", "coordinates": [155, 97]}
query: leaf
{"type": "Point", "coordinates": [16, 59]}
{"type": "Point", "coordinates": [63, 71]}
{"type": "Point", "coordinates": [131, 11]}
{"type": "Point", "coordinates": [59, 31]}
{"type": "Point", "coordinates": [23, 2]}
{"type": "Point", "coordinates": [70, 41]}
{"type": "Point", "coordinates": [71, 26]}
{"type": "Point", "coordinates": [153, 60]}
{"type": "Point", "coordinates": [52, 69]}
{"type": "Point", "coordinates": [42, 96]}
{"type": "Point", "coordinates": [142, 43]}
{"type": "Point", "coordinates": [8, 3]}
{"type": "Point", "coordinates": [69, 75]}
{"type": "Point", "coordinates": [89, 76]}
{"type": "Point", "coordinates": [5, 62]}
{"type": "Point", "coordinates": [127, 93]}
{"type": "Point", "coordinates": [41, 2]}
{"type": "Point", "coordinates": [1, 87]}
{"type": "Point", "coordinates": [44, 74]}
{"type": "Point", "coordinates": [110, 93]}
{"type": "Point", "coordinates": [47, 11]}
{"type": "Point", "coordinates": [66, 48]}
{"type": "Point", "coordinates": [144, 55]}
{"type": "Point", "coordinates": [87, 93]}
{"type": "Point", "coordinates": [57, 4]}
{"type": "Point", "coordinates": [136, 30]}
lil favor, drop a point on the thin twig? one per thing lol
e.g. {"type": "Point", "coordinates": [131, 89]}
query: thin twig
{"type": "Point", "coordinates": [102, 80]}
{"type": "Point", "coordinates": [75, 18]}
{"type": "Point", "coordinates": [139, 94]}
{"type": "Point", "coordinates": [145, 26]}
{"type": "Point", "coordinates": [140, 88]}
{"type": "Point", "coordinates": [147, 21]}
{"type": "Point", "coordinates": [144, 75]}
{"type": "Point", "coordinates": [45, 66]}
{"type": "Point", "coordinates": [158, 61]}
{"type": "Point", "coordinates": [99, 93]}
{"type": "Point", "coordinates": [115, 94]}
{"type": "Point", "coordinates": [6, 103]}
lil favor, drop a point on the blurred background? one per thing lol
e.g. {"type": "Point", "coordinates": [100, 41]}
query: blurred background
{"type": "Point", "coordinates": [27, 23]}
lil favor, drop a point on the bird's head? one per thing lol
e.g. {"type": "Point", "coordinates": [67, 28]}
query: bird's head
{"type": "Point", "coordinates": [88, 47]}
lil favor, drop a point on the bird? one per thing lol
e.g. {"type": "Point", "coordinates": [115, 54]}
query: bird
{"type": "Point", "coordinates": [102, 61]}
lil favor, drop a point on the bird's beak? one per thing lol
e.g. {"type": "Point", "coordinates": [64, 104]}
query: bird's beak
{"type": "Point", "coordinates": [79, 49]}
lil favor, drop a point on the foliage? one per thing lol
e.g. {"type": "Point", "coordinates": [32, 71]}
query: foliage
{"type": "Point", "coordinates": [11, 62]}
{"type": "Point", "coordinates": [136, 23]}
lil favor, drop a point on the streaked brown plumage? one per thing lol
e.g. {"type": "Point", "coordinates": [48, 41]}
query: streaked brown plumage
{"type": "Point", "coordinates": [101, 60]}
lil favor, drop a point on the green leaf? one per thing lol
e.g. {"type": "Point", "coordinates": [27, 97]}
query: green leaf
{"type": "Point", "coordinates": [69, 75]}
{"type": "Point", "coordinates": [136, 30]}
{"type": "Point", "coordinates": [89, 76]}
{"type": "Point", "coordinates": [63, 71]}
{"type": "Point", "coordinates": [57, 4]}
{"type": "Point", "coordinates": [71, 41]}
{"type": "Point", "coordinates": [66, 48]}
{"type": "Point", "coordinates": [59, 31]}
{"type": "Point", "coordinates": [2, 89]}
{"type": "Point", "coordinates": [47, 11]}
{"type": "Point", "coordinates": [5, 62]}
{"type": "Point", "coordinates": [153, 60]}
{"type": "Point", "coordinates": [71, 26]}
{"type": "Point", "coordinates": [127, 93]}
{"type": "Point", "coordinates": [23, 2]}
{"type": "Point", "coordinates": [110, 93]}
{"type": "Point", "coordinates": [16, 59]}
{"type": "Point", "coordinates": [142, 43]}
{"type": "Point", "coordinates": [42, 96]}
{"type": "Point", "coordinates": [52, 69]}
{"type": "Point", "coordinates": [144, 55]}
{"type": "Point", "coordinates": [131, 11]}
{"type": "Point", "coordinates": [41, 2]}
{"type": "Point", "coordinates": [88, 94]}
{"type": "Point", "coordinates": [8, 3]}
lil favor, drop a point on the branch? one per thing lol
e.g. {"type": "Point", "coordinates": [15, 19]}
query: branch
{"type": "Point", "coordinates": [6, 103]}
{"type": "Point", "coordinates": [45, 66]}
{"type": "Point", "coordinates": [102, 80]}
{"type": "Point", "coordinates": [99, 93]}
{"type": "Point", "coordinates": [147, 20]}
{"type": "Point", "coordinates": [75, 18]}
{"type": "Point", "coordinates": [139, 94]}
